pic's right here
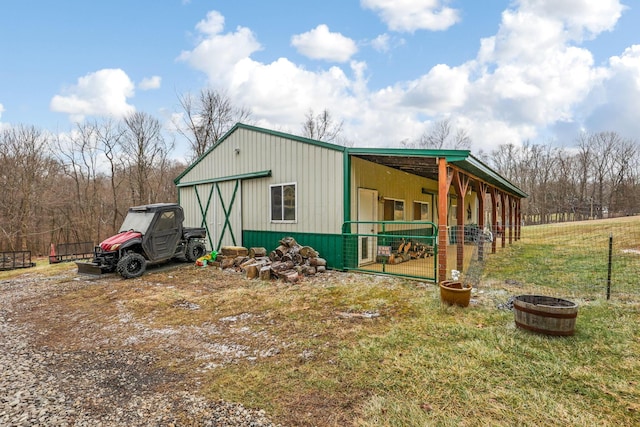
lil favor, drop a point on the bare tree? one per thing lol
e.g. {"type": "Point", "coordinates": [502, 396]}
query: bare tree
{"type": "Point", "coordinates": [442, 135]}
{"type": "Point", "coordinates": [79, 154]}
{"type": "Point", "coordinates": [207, 118]}
{"type": "Point", "coordinates": [144, 153]}
{"type": "Point", "coordinates": [109, 136]}
{"type": "Point", "coordinates": [321, 127]}
{"type": "Point", "coordinates": [27, 174]}
{"type": "Point", "coordinates": [623, 176]}
{"type": "Point", "coordinates": [604, 144]}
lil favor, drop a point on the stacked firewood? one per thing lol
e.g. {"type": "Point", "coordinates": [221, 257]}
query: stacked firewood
{"type": "Point", "coordinates": [290, 261]}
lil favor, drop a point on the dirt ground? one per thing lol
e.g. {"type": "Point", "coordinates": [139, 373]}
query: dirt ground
{"type": "Point", "coordinates": [162, 332]}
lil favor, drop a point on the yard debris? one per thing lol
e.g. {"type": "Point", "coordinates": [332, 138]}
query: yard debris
{"type": "Point", "coordinates": [507, 305]}
{"type": "Point", "coordinates": [363, 315]}
{"type": "Point", "coordinates": [289, 261]}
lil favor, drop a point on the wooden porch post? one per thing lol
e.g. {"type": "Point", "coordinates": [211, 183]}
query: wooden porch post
{"type": "Point", "coordinates": [462, 184]}
{"type": "Point", "coordinates": [494, 219]}
{"type": "Point", "coordinates": [503, 216]}
{"type": "Point", "coordinates": [519, 219]}
{"type": "Point", "coordinates": [443, 190]}
{"type": "Point", "coordinates": [512, 218]}
{"type": "Point", "coordinates": [481, 190]}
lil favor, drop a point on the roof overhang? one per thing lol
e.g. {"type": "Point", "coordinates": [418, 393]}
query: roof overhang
{"type": "Point", "coordinates": [425, 163]}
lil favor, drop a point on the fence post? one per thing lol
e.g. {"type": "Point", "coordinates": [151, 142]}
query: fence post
{"type": "Point", "coordinates": [609, 266]}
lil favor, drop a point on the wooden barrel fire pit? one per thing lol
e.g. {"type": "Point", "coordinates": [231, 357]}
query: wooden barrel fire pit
{"type": "Point", "coordinates": [545, 315]}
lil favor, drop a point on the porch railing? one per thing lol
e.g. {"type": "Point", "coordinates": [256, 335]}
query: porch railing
{"type": "Point", "coordinates": [398, 248]}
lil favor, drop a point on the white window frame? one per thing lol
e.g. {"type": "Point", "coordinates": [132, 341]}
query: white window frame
{"type": "Point", "coordinates": [284, 221]}
{"type": "Point", "coordinates": [404, 208]}
{"type": "Point", "coordinates": [423, 203]}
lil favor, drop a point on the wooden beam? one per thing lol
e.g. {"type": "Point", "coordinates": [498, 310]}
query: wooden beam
{"type": "Point", "coordinates": [481, 190]}
{"type": "Point", "coordinates": [503, 216]}
{"type": "Point", "coordinates": [444, 181]}
{"type": "Point", "coordinates": [494, 218]}
{"type": "Point", "coordinates": [461, 185]}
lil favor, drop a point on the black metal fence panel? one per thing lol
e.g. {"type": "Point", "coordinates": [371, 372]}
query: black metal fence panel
{"type": "Point", "coordinates": [15, 259]}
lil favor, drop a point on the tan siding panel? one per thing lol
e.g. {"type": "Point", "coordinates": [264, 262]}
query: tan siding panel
{"type": "Point", "coordinates": [393, 184]}
{"type": "Point", "coordinates": [316, 170]}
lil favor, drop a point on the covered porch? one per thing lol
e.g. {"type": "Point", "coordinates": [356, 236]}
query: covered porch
{"type": "Point", "coordinates": [474, 210]}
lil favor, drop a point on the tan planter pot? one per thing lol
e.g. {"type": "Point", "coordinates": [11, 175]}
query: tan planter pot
{"type": "Point", "coordinates": [454, 292]}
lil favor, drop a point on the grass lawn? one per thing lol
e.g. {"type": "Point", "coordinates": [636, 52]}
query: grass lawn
{"type": "Point", "coordinates": [364, 350]}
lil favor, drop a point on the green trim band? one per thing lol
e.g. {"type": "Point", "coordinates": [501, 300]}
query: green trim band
{"type": "Point", "coordinates": [252, 175]}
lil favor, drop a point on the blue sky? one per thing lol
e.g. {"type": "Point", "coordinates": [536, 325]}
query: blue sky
{"type": "Point", "coordinates": [504, 71]}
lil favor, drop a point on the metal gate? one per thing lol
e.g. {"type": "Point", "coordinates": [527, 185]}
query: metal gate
{"type": "Point", "coordinates": [398, 248]}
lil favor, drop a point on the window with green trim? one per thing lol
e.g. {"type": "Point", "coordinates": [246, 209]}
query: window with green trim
{"type": "Point", "coordinates": [283, 202]}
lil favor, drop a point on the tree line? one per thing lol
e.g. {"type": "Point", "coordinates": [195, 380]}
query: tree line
{"type": "Point", "coordinates": [598, 177]}
{"type": "Point", "coordinates": [77, 186]}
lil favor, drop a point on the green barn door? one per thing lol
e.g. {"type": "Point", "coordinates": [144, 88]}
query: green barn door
{"type": "Point", "coordinates": [227, 215]}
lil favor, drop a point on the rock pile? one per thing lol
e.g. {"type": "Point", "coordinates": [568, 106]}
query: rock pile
{"type": "Point", "coordinates": [289, 261]}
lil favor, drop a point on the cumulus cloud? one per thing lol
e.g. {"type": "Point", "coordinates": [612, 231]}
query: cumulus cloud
{"type": "Point", "coordinates": [582, 18]}
{"type": "Point", "coordinates": [279, 93]}
{"type": "Point", "coordinates": [614, 104]}
{"type": "Point", "coordinates": [320, 43]}
{"type": "Point", "coordinates": [149, 83]}
{"type": "Point", "coordinates": [2, 125]}
{"type": "Point", "coordinates": [102, 93]}
{"type": "Point", "coordinates": [381, 43]}
{"type": "Point", "coordinates": [217, 54]}
{"type": "Point", "coordinates": [529, 77]}
{"type": "Point", "coordinates": [412, 15]}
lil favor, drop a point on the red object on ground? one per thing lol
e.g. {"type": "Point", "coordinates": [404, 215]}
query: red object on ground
{"type": "Point", "coordinates": [52, 254]}
{"type": "Point", "coordinates": [112, 243]}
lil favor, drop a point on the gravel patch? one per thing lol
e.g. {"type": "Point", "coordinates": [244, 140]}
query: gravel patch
{"type": "Point", "coordinates": [40, 386]}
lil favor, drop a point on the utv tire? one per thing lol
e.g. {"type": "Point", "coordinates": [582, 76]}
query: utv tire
{"type": "Point", "coordinates": [132, 265]}
{"type": "Point", "coordinates": [195, 250]}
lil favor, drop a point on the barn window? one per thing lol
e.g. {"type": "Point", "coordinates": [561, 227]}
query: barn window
{"type": "Point", "coordinates": [283, 203]}
{"type": "Point", "coordinates": [393, 210]}
{"type": "Point", "coordinates": [421, 211]}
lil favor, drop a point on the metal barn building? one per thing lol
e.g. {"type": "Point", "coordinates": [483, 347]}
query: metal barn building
{"type": "Point", "coordinates": [360, 208]}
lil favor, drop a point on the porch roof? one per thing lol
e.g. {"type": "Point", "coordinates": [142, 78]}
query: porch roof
{"type": "Point", "coordinates": [425, 163]}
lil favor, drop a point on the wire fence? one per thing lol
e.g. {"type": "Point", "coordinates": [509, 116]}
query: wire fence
{"type": "Point", "coordinates": [398, 248]}
{"type": "Point", "coordinates": [598, 259]}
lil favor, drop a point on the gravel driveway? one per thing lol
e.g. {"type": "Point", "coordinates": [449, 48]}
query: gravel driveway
{"type": "Point", "coordinates": [43, 386]}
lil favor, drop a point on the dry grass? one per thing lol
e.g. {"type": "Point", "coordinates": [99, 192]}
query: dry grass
{"type": "Point", "coordinates": [348, 349]}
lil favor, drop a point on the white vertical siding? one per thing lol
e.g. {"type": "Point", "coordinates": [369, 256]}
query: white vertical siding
{"type": "Point", "coordinates": [316, 170]}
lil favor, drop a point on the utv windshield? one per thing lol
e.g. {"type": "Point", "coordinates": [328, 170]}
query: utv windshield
{"type": "Point", "coordinates": [137, 221]}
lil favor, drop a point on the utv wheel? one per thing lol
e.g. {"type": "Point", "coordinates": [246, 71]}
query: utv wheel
{"type": "Point", "coordinates": [195, 250]}
{"type": "Point", "coordinates": [132, 265]}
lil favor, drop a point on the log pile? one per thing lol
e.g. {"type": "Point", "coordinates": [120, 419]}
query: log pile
{"type": "Point", "coordinates": [289, 261]}
{"type": "Point", "coordinates": [408, 251]}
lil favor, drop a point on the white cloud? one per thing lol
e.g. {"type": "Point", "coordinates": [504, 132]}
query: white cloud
{"type": "Point", "coordinates": [2, 125]}
{"type": "Point", "coordinates": [213, 24]}
{"type": "Point", "coordinates": [217, 54]}
{"type": "Point", "coordinates": [442, 89]}
{"type": "Point", "coordinates": [320, 43]}
{"type": "Point", "coordinates": [381, 43]}
{"type": "Point", "coordinates": [614, 104]}
{"type": "Point", "coordinates": [582, 18]}
{"type": "Point", "coordinates": [528, 78]}
{"type": "Point", "coordinates": [149, 83]}
{"type": "Point", "coordinates": [102, 93]}
{"type": "Point", "coordinates": [412, 15]}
